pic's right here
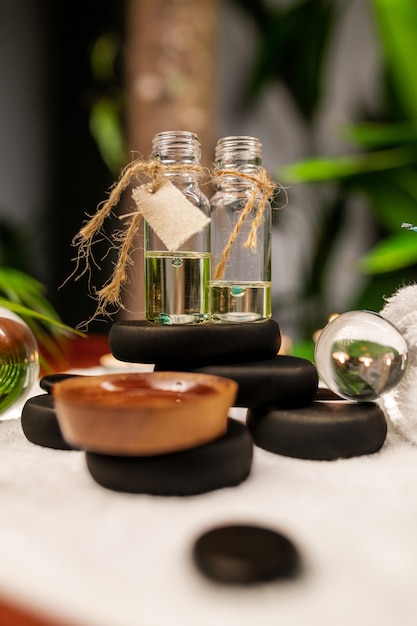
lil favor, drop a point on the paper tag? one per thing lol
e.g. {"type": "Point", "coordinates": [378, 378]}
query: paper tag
{"type": "Point", "coordinates": [173, 218]}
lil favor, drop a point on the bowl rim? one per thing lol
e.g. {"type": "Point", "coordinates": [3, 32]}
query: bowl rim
{"type": "Point", "coordinates": [75, 390]}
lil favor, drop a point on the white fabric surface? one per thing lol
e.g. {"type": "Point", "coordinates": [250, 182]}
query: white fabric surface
{"type": "Point", "coordinates": [101, 558]}
{"type": "Point", "coordinates": [401, 310]}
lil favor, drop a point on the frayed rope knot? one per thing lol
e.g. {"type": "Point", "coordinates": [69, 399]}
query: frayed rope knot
{"type": "Point", "coordinates": [155, 171]}
{"type": "Point", "coordinates": [264, 189]}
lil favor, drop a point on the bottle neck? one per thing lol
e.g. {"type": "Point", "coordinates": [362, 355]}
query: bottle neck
{"type": "Point", "coordinates": [177, 148]}
{"type": "Point", "coordinates": [239, 154]}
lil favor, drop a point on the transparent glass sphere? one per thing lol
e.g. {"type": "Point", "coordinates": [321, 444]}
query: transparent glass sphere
{"type": "Point", "coordinates": [19, 360]}
{"type": "Point", "coordinates": [360, 355]}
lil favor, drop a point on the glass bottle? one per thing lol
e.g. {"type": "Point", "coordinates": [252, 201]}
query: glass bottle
{"type": "Point", "coordinates": [177, 281]}
{"type": "Point", "coordinates": [241, 290]}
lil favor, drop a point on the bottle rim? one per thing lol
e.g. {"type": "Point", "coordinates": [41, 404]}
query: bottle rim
{"type": "Point", "coordinates": [238, 148]}
{"type": "Point", "coordinates": [176, 145]}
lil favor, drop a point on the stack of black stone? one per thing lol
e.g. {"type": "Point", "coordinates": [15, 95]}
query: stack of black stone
{"type": "Point", "coordinates": [245, 352]}
{"type": "Point", "coordinates": [286, 414]}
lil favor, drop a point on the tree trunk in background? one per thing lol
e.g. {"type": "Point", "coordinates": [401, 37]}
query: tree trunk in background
{"type": "Point", "coordinates": [171, 84]}
{"type": "Point", "coordinates": [171, 66]}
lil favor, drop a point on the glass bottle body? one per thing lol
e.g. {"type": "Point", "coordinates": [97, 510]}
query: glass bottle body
{"type": "Point", "coordinates": [242, 290]}
{"type": "Point", "coordinates": [177, 281]}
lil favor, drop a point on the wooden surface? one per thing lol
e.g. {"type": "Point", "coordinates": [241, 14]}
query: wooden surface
{"type": "Point", "coordinates": [171, 64]}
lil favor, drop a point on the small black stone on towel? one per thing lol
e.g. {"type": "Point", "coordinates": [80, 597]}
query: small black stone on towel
{"type": "Point", "coordinates": [245, 554]}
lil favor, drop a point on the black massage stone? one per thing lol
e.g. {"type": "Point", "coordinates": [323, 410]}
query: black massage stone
{"type": "Point", "coordinates": [245, 554]}
{"type": "Point", "coordinates": [49, 380]}
{"type": "Point", "coordinates": [284, 381]}
{"type": "Point", "coordinates": [143, 342]}
{"type": "Point", "coordinates": [224, 462]}
{"type": "Point", "coordinates": [40, 424]}
{"type": "Point", "coordinates": [323, 431]}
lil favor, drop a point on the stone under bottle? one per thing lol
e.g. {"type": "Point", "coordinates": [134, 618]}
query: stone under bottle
{"type": "Point", "coordinates": [241, 274]}
{"type": "Point", "coordinates": [177, 280]}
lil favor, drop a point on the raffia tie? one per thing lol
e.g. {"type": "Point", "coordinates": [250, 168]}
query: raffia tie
{"type": "Point", "coordinates": [109, 294]}
{"type": "Point", "coordinates": [263, 188]}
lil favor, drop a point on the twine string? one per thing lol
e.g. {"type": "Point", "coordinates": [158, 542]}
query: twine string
{"type": "Point", "coordinates": [109, 294]}
{"type": "Point", "coordinates": [264, 188]}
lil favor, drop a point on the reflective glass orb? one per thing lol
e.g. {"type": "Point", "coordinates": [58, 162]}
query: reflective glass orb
{"type": "Point", "coordinates": [360, 355]}
{"type": "Point", "coordinates": [19, 360]}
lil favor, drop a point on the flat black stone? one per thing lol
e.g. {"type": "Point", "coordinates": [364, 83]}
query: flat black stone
{"type": "Point", "coordinates": [244, 554]}
{"type": "Point", "coordinates": [326, 394]}
{"type": "Point", "coordinates": [143, 342]}
{"type": "Point", "coordinates": [284, 381]}
{"type": "Point", "coordinates": [40, 424]}
{"type": "Point", "coordinates": [49, 380]}
{"type": "Point", "coordinates": [224, 462]}
{"type": "Point", "coordinates": [322, 431]}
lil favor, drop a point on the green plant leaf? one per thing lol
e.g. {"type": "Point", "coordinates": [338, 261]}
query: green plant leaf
{"type": "Point", "coordinates": [377, 287]}
{"type": "Point", "coordinates": [24, 295]}
{"type": "Point", "coordinates": [304, 350]}
{"type": "Point", "coordinates": [397, 25]}
{"type": "Point", "coordinates": [18, 288]}
{"type": "Point", "coordinates": [393, 196]}
{"type": "Point", "coordinates": [103, 57]}
{"type": "Point", "coordinates": [25, 312]}
{"type": "Point", "coordinates": [319, 169]}
{"type": "Point", "coordinates": [394, 252]}
{"type": "Point", "coordinates": [373, 135]}
{"type": "Point", "coordinates": [105, 127]}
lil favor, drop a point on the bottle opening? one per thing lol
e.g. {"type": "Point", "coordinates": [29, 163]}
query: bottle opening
{"type": "Point", "coordinates": [176, 145]}
{"type": "Point", "coordinates": [238, 150]}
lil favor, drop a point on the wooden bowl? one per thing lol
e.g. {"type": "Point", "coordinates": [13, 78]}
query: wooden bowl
{"type": "Point", "coordinates": [143, 413]}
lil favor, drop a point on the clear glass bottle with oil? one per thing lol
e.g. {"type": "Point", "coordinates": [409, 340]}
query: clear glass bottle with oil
{"type": "Point", "coordinates": [241, 288]}
{"type": "Point", "coordinates": [177, 281]}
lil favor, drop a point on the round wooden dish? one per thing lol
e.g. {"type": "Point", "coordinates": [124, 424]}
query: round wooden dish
{"type": "Point", "coordinates": [143, 413]}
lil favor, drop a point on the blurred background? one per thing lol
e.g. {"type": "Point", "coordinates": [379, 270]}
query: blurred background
{"type": "Point", "coordinates": [328, 86]}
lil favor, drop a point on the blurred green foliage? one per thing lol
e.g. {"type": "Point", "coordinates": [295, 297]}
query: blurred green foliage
{"type": "Point", "coordinates": [380, 164]}
{"type": "Point", "coordinates": [294, 48]}
{"type": "Point", "coordinates": [106, 114]}
{"type": "Point", "coordinates": [26, 297]}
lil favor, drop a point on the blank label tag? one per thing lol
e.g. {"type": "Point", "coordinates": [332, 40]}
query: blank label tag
{"type": "Point", "coordinates": [173, 218]}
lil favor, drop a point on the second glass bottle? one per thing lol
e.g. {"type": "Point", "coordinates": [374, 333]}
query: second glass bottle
{"type": "Point", "coordinates": [241, 288]}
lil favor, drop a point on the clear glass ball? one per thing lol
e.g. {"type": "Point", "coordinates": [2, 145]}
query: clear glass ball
{"type": "Point", "coordinates": [19, 360]}
{"type": "Point", "coordinates": [360, 355]}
